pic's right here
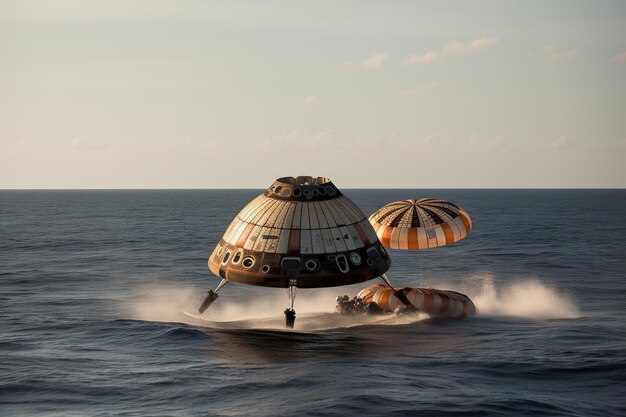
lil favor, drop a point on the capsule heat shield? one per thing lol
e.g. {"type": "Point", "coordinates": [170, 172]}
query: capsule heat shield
{"type": "Point", "coordinates": [302, 229]}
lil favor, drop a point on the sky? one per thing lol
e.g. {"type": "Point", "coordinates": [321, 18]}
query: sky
{"type": "Point", "coordinates": [388, 94]}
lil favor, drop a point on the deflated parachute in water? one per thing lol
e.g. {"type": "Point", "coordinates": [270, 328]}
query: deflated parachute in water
{"type": "Point", "coordinates": [300, 232]}
{"type": "Point", "coordinates": [429, 300]}
{"type": "Point", "coordinates": [420, 224]}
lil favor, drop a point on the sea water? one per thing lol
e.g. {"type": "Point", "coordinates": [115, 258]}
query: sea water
{"type": "Point", "coordinates": [99, 291]}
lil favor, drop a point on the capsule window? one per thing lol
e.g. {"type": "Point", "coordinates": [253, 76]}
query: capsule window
{"type": "Point", "coordinates": [237, 257]}
{"type": "Point", "coordinates": [355, 258]}
{"type": "Point", "coordinates": [226, 257]}
{"type": "Point", "coordinates": [342, 263]}
{"type": "Point", "coordinates": [265, 269]}
{"type": "Point", "coordinates": [312, 265]}
{"type": "Point", "coordinates": [247, 262]}
{"type": "Point", "coordinates": [372, 253]}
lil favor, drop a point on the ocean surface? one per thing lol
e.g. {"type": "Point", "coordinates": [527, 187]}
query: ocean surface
{"type": "Point", "coordinates": [98, 291]}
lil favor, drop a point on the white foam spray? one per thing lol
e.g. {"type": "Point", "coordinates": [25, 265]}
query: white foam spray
{"type": "Point", "coordinates": [529, 298]}
{"type": "Point", "coordinates": [158, 302]}
{"type": "Point", "coordinates": [166, 303]}
{"type": "Point", "coordinates": [161, 302]}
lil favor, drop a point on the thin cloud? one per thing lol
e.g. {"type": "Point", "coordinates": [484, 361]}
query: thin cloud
{"type": "Point", "coordinates": [555, 55]}
{"type": "Point", "coordinates": [621, 57]}
{"type": "Point", "coordinates": [560, 143]}
{"type": "Point", "coordinates": [373, 62]}
{"type": "Point", "coordinates": [433, 144]}
{"type": "Point", "coordinates": [429, 57]}
{"type": "Point", "coordinates": [452, 48]}
{"type": "Point", "coordinates": [477, 45]}
{"type": "Point", "coordinates": [419, 89]}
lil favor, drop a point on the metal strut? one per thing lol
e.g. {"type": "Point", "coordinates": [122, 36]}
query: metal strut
{"type": "Point", "coordinates": [290, 313]}
{"type": "Point", "coordinates": [398, 293]}
{"type": "Point", "coordinates": [211, 296]}
{"type": "Point", "coordinates": [292, 266]}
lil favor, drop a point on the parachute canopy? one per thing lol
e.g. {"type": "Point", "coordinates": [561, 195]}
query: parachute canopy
{"type": "Point", "coordinates": [420, 224]}
{"type": "Point", "coordinates": [301, 231]}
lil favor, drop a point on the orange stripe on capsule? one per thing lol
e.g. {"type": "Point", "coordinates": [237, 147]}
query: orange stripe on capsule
{"type": "Point", "coordinates": [294, 241]}
{"type": "Point", "coordinates": [362, 234]}
{"type": "Point", "coordinates": [244, 235]}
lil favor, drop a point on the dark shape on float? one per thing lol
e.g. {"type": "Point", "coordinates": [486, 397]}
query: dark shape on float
{"type": "Point", "coordinates": [303, 232]}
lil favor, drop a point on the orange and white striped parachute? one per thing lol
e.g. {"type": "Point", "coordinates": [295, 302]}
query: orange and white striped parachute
{"type": "Point", "coordinates": [420, 224]}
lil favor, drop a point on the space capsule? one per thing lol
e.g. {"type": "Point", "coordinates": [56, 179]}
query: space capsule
{"type": "Point", "coordinates": [301, 231]}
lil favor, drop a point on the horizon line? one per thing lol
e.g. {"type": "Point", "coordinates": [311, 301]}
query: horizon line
{"type": "Point", "coordinates": [343, 188]}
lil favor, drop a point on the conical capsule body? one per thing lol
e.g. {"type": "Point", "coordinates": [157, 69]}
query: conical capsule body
{"type": "Point", "coordinates": [301, 231]}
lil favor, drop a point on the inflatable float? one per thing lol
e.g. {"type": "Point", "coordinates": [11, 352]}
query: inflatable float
{"type": "Point", "coordinates": [434, 302]}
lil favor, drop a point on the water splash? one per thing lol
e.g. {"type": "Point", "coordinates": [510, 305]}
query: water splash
{"type": "Point", "coordinates": [165, 303]}
{"type": "Point", "coordinates": [528, 298]}
{"type": "Point", "coordinates": [160, 302]}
